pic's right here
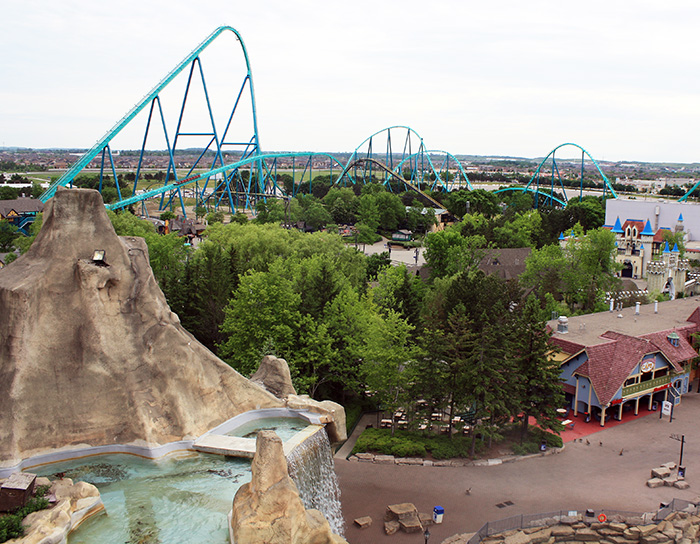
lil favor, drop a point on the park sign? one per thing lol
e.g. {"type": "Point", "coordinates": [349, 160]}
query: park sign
{"type": "Point", "coordinates": [666, 407]}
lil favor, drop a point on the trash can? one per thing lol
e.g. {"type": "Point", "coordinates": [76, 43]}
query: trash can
{"type": "Point", "coordinates": [438, 512]}
{"type": "Point", "coordinates": [543, 446]}
{"type": "Point", "coordinates": [681, 472]}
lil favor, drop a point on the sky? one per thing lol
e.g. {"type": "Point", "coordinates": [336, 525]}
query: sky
{"type": "Point", "coordinates": [620, 78]}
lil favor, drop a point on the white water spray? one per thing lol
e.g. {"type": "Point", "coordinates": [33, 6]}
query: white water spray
{"type": "Point", "coordinates": [311, 467]}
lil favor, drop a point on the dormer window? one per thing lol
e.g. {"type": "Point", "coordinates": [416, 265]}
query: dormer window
{"type": "Point", "coordinates": [674, 339]}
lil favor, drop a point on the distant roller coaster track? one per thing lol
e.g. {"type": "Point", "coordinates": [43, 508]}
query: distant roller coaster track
{"type": "Point", "coordinates": [240, 173]}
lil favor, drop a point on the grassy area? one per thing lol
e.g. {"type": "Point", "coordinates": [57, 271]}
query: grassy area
{"type": "Point", "coordinates": [414, 444]}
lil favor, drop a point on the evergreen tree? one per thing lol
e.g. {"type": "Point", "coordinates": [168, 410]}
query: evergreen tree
{"type": "Point", "coordinates": [538, 386]}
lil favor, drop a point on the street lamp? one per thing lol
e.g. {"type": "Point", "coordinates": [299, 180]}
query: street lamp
{"type": "Point", "coordinates": [426, 534]}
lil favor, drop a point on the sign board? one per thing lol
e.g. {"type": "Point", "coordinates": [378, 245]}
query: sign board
{"type": "Point", "coordinates": [666, 408]}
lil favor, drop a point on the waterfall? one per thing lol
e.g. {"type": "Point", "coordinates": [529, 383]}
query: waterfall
{"type": "Point", "coordinates": [311, 467]}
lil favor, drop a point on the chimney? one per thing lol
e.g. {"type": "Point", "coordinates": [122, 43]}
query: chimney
{"type": "Point", "coordinates": [563, 324]}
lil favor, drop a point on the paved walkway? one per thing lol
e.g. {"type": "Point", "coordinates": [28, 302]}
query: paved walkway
{"type": "Point", "coordinates": [397, 255]}
{"type": "Point", "coordinates": [609, 470]}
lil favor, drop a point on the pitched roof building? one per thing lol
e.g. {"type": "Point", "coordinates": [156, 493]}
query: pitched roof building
{"type": "Point", "coordinates": [613, 361]}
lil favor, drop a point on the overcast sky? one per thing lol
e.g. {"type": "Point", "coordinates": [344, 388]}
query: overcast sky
{"type": "Point", "coordinates": [498, 77]}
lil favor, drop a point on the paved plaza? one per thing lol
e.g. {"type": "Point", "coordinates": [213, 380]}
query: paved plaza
{"type": "Point", "coordinates": [605, 468]}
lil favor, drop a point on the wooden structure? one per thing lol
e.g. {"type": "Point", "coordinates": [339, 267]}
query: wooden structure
{"type": "Point", "coordinates": [16, 491]}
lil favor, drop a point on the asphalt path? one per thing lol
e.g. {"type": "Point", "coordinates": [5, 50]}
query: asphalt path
{"type": "Point", "coordinates": [584, 475]}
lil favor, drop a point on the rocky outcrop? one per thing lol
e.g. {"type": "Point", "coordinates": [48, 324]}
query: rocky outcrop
{"type": "Point", "coordinates": [74, 504]}
{"type": "Point", "coordinates": [273, 375]}
{"type": "Point", "coordinates": [90, 353]}
{"type": "Point", "coordinates": [268, 510]}
{"type": "Point", "coordinates": [677, 528]}
{"type": "Point", "coordinates": [332, 414]}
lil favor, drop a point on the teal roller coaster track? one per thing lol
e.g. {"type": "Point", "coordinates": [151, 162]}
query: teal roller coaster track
{"type": "Point", "coordinates": [233, 170]}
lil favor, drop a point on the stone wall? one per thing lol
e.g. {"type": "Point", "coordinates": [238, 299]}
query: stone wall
{"type": "Point", "coordinates": [677, 528]}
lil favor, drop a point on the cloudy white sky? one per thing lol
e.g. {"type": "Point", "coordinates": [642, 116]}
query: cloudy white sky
{"type": "Point", "coordinates": [498, 77]}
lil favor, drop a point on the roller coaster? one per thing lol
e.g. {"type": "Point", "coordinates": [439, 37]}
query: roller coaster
{"type": "Point", "coordinates": [232, 170]}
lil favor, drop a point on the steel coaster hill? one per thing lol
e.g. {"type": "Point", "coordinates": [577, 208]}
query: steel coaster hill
{"type": "Point", "coordinates": [232, 170]}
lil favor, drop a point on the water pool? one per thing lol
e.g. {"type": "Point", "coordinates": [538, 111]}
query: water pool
{"type": "Point", "coordinates": [285, 427]}
{"type": "Point", "coordinates": [178, 498]}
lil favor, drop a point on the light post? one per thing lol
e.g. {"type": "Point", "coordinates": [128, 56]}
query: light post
{"type": "Point", "coordinates": [426, 534]}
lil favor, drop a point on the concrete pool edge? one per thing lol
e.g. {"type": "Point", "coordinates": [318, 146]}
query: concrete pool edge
{"type": "Point", "coordinates": [155, 452]}
{"type": "Point", "coordinates": [218, 442]}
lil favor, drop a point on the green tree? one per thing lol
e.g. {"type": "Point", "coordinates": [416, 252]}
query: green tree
{"type": "Point", "coordinates": [23, 243]}
{"type": "Point", "coordinates": [269, 210]}
{"type": "Point", "coordinates": [539, 388]}
{"type": "Point", "coordinates": [399, 292]}
{"type": "Point", "coordinates": [342, 203]}
{"type": "Point", "coordinates": [461, 202]}
{"type": "Point", "coordinates": [263, 312]}
{"type": "Point", "coordinates": [524, 230]}
{"type": "Point", "coordinates": [368, 212]}
{"type": "Point", "coordinates": [8, 193]}
{"type": "Point", "coordinates": [447, 252]}
{"type": "Point", "coordinates": [392, 212]}
{"type": "Point", "coordinates": [592, 268]}
{"type": "Point", "coordinates": [8, 233]}
{"type": "Point", "coordinates": [239, 218]}
{"type": "Point", "coordinates": [316, 216]}
{"type": "Point", "coordinates": [676, 239]}
{"type": "Point", "coordinates": [217, 216]}
{"type": "Point", "coordinates": [590, 212]}
{"type": "Point", "coordinates": [387, 366]}
{"type": "Point", "coordinates": [545, 269]}
{"type": "Point", "coordinates": [206, 285]}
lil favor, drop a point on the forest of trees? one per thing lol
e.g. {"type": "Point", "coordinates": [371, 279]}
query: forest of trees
{"type": "Point", "coordinates": [349, 324]}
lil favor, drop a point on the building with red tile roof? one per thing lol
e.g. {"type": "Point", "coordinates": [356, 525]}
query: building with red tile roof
{"type": "Point", "coordinates": [614, 361]}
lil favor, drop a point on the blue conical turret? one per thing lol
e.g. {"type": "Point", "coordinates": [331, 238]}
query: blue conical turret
{"type": "Point", "coordinates": [617, 229]}
{"type": "Point", "coordinates": [647, 230]}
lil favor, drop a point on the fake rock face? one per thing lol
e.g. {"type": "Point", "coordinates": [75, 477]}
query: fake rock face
{"type": "Point", "coordinates": [268, 510]}
{"type": "Point", "coordinates": [92, 354]}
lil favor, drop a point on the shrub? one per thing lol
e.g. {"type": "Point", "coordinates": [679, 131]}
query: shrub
{"type": "Point", "coordinates": [11, 524]}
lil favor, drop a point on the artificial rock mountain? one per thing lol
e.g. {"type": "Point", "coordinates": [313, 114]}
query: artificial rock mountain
{"type": "Point", "coordinates": [91, 354]}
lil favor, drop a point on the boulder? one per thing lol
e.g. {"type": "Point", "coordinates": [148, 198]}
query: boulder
{"type": "Point", "coordinates": [410, 524]}
{"type": "Point", "coordinates": [363, 522]}
{"type": "Point", "coordinates": [268, 509]}
{"type": "Point", "coordinates": [96, 342]}
{"type": "Point", "coordinates": [400, 511]}
{"type": "Point", "coordinates": [391, 527]}
{"type": "Point", "coordinates": [274, 376]}
{"type": "Point", "coordinates": [78, 503]}
{"type": "Point", "coordinates": [332, 414]}
{"type": "Point", "coordinates": [660, 472]}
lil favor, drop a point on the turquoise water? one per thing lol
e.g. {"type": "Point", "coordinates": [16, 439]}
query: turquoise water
{"type": "Point", "coordinates": [285, 427]}
{"type": "Point", "coordinates": [171, 500]}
